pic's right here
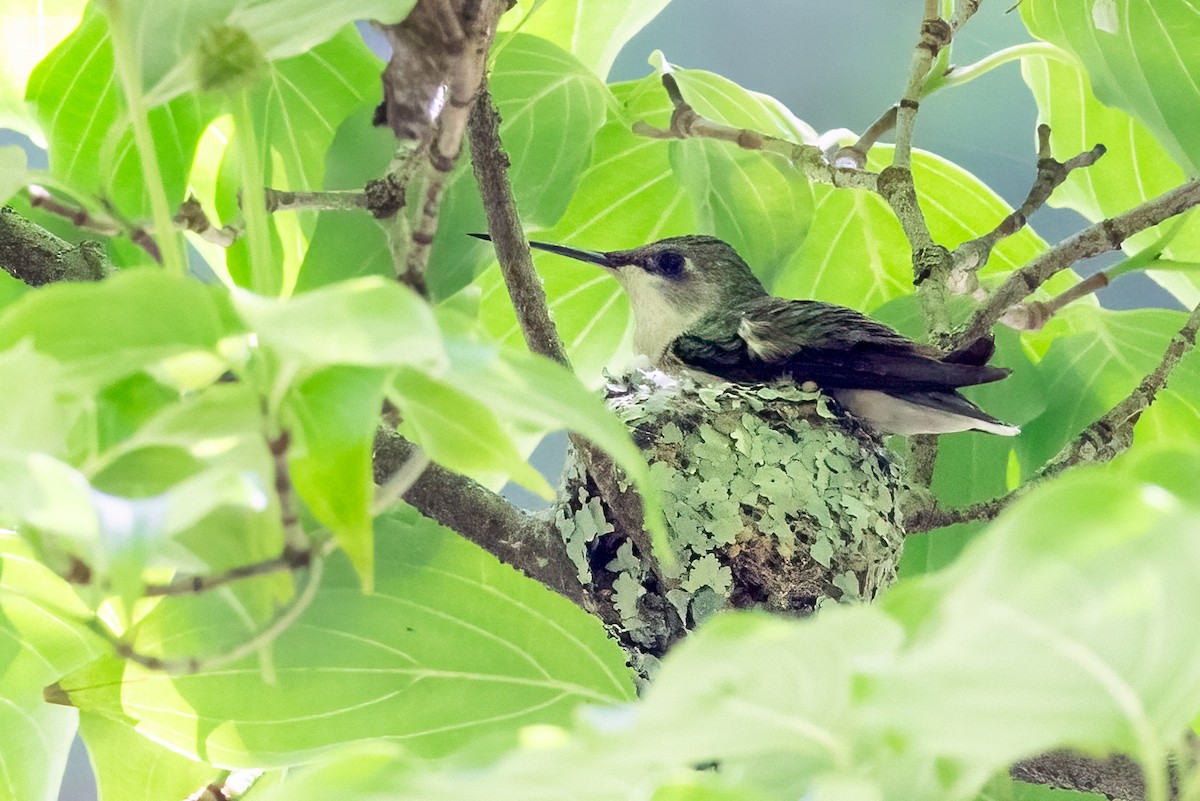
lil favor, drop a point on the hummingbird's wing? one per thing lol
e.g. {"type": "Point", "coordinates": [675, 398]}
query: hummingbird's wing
{"type": "Point", "coordinates": [833, 346]}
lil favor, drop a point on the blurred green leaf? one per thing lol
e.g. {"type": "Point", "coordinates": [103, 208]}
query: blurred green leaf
{"type": "Point", "coordinates": [460, 432]}
{"type": "Point", "coordinates": [1141, 58]}
{"type": "Point", "coordinates": [551, 107]}
{"type": "Point", "coordinates": [534, 394]}
{"type": "Point", "coordinates": [13, 171]}
{"type": "Point", "coordinates": [451, 646]}
{"type": "Point", "coordinates": [333, 415]}
{"type": "Point", "coordinates": [77, 102]}
{"type": "Point", "coordinates": [91, 143]}
{"type": "Point", "coordinates": [1066, 624]}
{"type": "Point", "coordinates": [370, 322]}
{"type": "Point", "coordinates": [130, 767]}
{"type": "Point", "coordinates": [28, 30]}
{"type": "Point", "coordinates": [137, 320]}
{"type": "Point", "coordinates": [282, 29]}
{"type": "Point", "coordinates": [40, 639]}
{"type": "Point", "coordinates": [1134, 169]}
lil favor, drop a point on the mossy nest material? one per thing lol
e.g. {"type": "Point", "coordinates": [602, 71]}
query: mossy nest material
{"type": "Point", "coordinates": [774, 499]}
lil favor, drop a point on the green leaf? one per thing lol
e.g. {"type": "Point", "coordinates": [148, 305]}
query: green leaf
{"type": "Point", "coordinates": [40, 639]}
{"type": "Point", "coordinates": [550, 107]}
{"type": "Point", "coordinates": [1134, 169]}
{"type": "Point", "coordinates": [91, 144]}
{"type": "Point", "coordinates": [593, 32]}
{"type": "Point", "coordinates": [28, 30]}
{"type": "Point", "coordinates": [347, 244]}
{"type": "Point", "coordinates": [451, 646]}
{"type": "Point", "coordinates": [137, 320]}
{"type": "Point", "coordinates": [1158, 83]}
{"type": "Point", "coordinates": [34, 415]}
{"type": "Point", "coordinates": [333, 415]}
{"type": "Point", "coordinates": [1067, 625]}
{"type": "Point", "coordinates": [461, 433]}
{"type": "Point", "coordinates": [130, 767]}
{"type": "Point", "coordinates": [370, 322]}
{"type": "Point", "coordinates": [307, 96]}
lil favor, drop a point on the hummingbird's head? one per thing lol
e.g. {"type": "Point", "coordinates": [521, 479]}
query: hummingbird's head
{"type": "Point", "coordinates": [687, 273]}
{"type": "Point", "coordinates": [672, 283]}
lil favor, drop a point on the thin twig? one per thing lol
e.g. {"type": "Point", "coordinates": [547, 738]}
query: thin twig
{"type": "Point", "coordinates": [191, 217]}
{"type": "Point", "coordinates": [198, 583]}
{"type": "Point", "coordinates": [524, 287]}
{"type": "Point", "coordinates": [1033, 315]}
{"type": "Point", "coordinates": [461, 86]}
{"type": "Point", "coordinates": [1101, 237]}
{"type": "Point", "coordinates": [936, 33]}
{"type": "Point", "coordinates": [971, 255]}
{"type": "Point", "coordinates": [110, 225]}
{"type": "Point", "coordinates": [295, 540]}
{"type": "Point", "coordinates": [855, 156]}
{"type": "Point", "coordinates": [686, 123]}
{"type": "Point", "coordinates": [260, 640]}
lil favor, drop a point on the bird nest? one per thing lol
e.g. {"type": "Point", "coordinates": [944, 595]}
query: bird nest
{"type": "Point", "coordinates": [774, 499]}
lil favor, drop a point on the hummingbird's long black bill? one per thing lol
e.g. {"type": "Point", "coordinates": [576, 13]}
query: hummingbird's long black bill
{"type": "Point", "coordinates": [590, 256]}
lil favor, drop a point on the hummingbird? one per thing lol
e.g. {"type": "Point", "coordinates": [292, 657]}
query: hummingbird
{"type": "Point", "coordinates": [697, 306]}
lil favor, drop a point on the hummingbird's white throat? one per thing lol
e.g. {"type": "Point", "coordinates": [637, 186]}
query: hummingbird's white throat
{"type": "Point", "coordinates": [657, 322]}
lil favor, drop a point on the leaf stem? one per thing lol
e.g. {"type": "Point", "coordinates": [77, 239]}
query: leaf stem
{"type": "Point", "coordinates": [263, 278]}
{"type": "Point", "coordinates": [963, 75]}
{"type": "Point", "coordinates": [129, 72]}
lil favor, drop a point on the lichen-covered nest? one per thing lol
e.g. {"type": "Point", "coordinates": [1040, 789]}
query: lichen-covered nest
{"type": "Point", "coordinates": [773, 497]}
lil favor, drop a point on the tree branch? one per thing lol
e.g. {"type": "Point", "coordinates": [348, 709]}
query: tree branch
{"type": "Point", "coordinates": [529, 302]}
{"type": "Point", "coordinates": [438, 56]}
{"type": "Point", "coordinates": [1116, 776]}
{"type": "Point", "coordinates": [1101, 237]}
{"type": "Point", "coordinates": [526, 542]}
{"type": "Point", "coordinates": [504, 225]}
{"type": "Point", "coordinates": [32, 254]}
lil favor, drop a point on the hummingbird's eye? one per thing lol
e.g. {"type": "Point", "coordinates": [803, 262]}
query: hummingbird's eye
{"type": "Point", "coordinates": [668, 264]}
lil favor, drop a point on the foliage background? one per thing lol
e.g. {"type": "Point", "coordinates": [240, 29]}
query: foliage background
{"type": "Point", "coordinates": [949, 125]}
